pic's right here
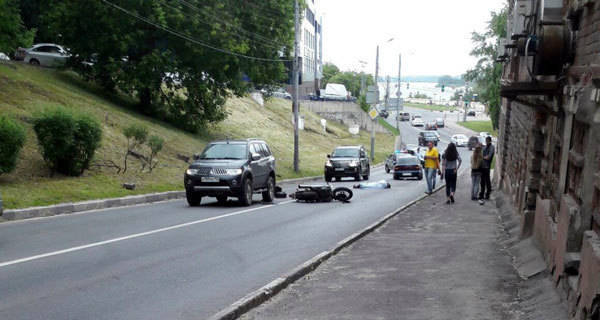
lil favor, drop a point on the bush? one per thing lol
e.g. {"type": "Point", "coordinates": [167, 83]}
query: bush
{"type": "Point", "coordinates": [12, 138]}
{"type": "Point", "coordinates": [67, 141]}
{"type": "Point", "coordinates": [136, 136]}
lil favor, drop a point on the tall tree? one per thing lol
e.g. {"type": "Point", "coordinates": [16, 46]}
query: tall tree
{"type": "Point", "coordinates": [487, 72]}
{"type": "Point", "coordinates": [329, 70]}
{"type": "Point", "coordinates": [13, 33]}
{"type": "Point", "coordinates": [137, 47]}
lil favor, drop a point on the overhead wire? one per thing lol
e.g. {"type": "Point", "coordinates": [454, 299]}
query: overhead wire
{"type": "Point", "coordinates": [242, 37]}
{"type": "Point", "coordinates": [221, 20]}
{"type": "Point", "coordinates": [188, 38]}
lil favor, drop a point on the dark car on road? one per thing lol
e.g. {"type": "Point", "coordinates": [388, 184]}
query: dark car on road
{"type": "Point", "coordinates": [347, 161]}
{"type": "Point", "coordinates": [428, 136]}
{"type": "Point", "coordinates": [403, 116]}
{"type": "Point", "coordinates": [431, 125]}
{"type": "Point", "coordinates": [408, 166]}
{"type": "Point", "coordinates": [232, 168]}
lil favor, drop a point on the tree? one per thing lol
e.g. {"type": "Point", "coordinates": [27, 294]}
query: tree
{"type": "Point", "coordinates": [329, 70]}
{"type": "Point", "coordinates": [351, 80]}
{"type": "Point", "coordinates": [487, 72]}
{"type": "Point", "coordinates": [137, 48]}
{"type": "Point", "coordinates": [13, 33]}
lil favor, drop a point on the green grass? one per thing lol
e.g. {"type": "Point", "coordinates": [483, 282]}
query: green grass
{"type": "Point", "coordinates": [433, 107]}
{"type": "Point", "coordinates": [26, 90]}
{"type": "Point", "coordinates": [480, 126]}
{"type": "Point", "coordinates": [388, 126]}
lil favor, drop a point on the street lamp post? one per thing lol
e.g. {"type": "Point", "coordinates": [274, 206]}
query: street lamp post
{"type": "Point", "coordinates": [376, 101]}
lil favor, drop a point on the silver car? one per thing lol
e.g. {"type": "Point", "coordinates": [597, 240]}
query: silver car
{"type": "Point", "coordinates": [46, 55]}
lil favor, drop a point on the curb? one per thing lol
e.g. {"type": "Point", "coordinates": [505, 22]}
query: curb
{"type": "Point", "coordinates": [256, 298]}
{"type": "Point", "coordinates": [73, 207]}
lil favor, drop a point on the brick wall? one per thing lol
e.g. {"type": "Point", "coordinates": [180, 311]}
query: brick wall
{"type": "Point", "coordinates": [548, 161]}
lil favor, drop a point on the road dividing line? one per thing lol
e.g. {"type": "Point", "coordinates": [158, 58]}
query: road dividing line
{"type": "Point", "coordinates": [136, 235]}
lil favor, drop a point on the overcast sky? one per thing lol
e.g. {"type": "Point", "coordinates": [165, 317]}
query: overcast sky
{"type": "Point", "coordinates": [434, 36]}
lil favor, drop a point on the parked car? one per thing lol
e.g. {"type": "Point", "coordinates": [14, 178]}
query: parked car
{"type": "Point", "coordinates": [431, 125]}
{"type": "Point", "coordinates": [404, 116]}
{"type": "Point", "coordinates": [46, 55]}
{"type": "Point", "coordinates": [440, 122]}
{"type": "Point", "coordinates": [347, 161]}
{"type": "Point", "coordinates": [428, 136]}
{"type": "Point", "coordinates": [408, 166]}
{"type": "Point", "coordinates": [417, 122]}
{"type": "Point", "coordinates": [231, 168]}
{"type": "Point", "coordinates": [281, 93]}
{"type": "Point", "coordinates": [471, 113]}
{"type": "Point", "coordinates": [460, 140]}
{"type": "Point", "coordinates": [473, 142]}
{"type": "Point", "coordinates": [416, 115]}
{"type": "Point", "coordinates": [4, 57]}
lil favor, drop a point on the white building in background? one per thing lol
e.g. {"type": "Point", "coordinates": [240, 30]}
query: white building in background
{"type": "Point", "coordinates": [311, 49]}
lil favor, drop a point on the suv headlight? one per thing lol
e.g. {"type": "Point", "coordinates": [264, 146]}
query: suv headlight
{"type": "Point", "coordinates": [233, 172]}
{"type": "Point", "coordinates": [192, 172]}
{"type": "Point", "coordinates": [354, 163]}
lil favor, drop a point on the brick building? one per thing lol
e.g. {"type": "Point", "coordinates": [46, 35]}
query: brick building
{"type": "Point", "coordinates": [548, 161]}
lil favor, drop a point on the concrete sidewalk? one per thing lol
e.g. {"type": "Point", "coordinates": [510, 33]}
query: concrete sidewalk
{"type": "Point", "coordinates": [432, 261]}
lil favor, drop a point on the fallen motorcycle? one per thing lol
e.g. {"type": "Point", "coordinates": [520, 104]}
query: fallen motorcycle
{"type": "Point", "coordinates": [321, 193]}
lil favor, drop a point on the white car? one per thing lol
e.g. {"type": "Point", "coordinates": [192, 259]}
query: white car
{"type": "Point", "coordinates": [281, 93]}
{"type": "Point", "coordinates": [418, 122]}
{"type": "Point", "coordinates": [3, 56]}
{"type": "Point", "coordinates": [460, 140]}
{"type": "Point", "coordinates": [46, 55]}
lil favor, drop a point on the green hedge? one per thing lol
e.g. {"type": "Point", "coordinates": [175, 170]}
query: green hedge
{"type": "Point", "coordinates": [67, 140]}
{"type": "Point", "coordinates": [12, 138]}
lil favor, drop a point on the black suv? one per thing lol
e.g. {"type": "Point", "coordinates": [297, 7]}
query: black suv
{"type": "Point", "coordinates": [347, 161]}
{"type": "Point", "coordinates": [232, 168]}
{"type": "Point", "coordinates": [428, 136]}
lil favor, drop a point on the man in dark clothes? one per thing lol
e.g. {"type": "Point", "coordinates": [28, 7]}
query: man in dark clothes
{"type": "Point", "coordinates": [488, 155]}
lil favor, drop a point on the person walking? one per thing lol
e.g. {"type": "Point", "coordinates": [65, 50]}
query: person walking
{"type": "Point", "coordinates": [476, 162]}
{"type": "Point", "coordinates": [432, 164]}
{"type": "Point", "coordinates": [488, 156]}
{"type": "Point", "coordinates": [451, 162]}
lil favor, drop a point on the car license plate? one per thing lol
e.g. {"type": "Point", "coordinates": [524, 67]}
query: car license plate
{"type": "Point", "coordinates": [209, 179]}
{"type": "Point", "coordinates": [407, 174]}
{"type": "Point", "coordinates": [339, 169]}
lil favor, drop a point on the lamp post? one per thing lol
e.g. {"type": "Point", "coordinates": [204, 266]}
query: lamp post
{"type": "Point", "coordinates": [376, 101]}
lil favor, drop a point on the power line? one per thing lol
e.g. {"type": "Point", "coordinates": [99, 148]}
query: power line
{"type": "Point", "coordinates": [265, 43]}
{"type": "Point", "coordinates": [185, 37]}
{"type": "Point", "coordinates": [218, 19]}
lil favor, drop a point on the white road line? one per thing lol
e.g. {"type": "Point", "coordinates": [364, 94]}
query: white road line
{"type": "Point", "coordinates": [136, 235]}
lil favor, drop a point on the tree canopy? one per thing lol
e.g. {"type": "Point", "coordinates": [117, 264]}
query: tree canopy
{"type": "Point", "coordinates": [181, 59]}
{"type": "Point", "coordinates": [13, 33]}
{"type": "Point", "coordinates": [350, 79]}
{"type": "Point", "coordinates": [487, 72]}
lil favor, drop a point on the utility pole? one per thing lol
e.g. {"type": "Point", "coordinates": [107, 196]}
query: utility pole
{"type": "Point", "coordinates": [466, 103]}
{"type": "Point", "coordinates": [376, 102]}
{"type": "Point", "coordinates": [399, 93]}
{"type": "Point", "coordinates": [296, 76]}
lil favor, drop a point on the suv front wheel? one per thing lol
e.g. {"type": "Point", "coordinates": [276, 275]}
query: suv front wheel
{"type": "Point", "coordinates": [366, 176]}
{"type": "Point", "coordinates": [193, 198]}
{"type": "Point", "coordinates": [269, 194]}
{"type": "Point", "coordinates": [246, 193]}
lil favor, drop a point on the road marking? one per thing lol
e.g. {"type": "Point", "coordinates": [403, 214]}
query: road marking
{"type": "Point", "coordinates": [136, 235]}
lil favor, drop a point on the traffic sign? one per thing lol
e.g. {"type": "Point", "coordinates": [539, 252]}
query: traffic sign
{"type": "Point", "coordinates": [373, 113]}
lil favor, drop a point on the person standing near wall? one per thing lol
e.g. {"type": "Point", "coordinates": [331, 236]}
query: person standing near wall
{"type": "Point", "coordinates": [476, 162]}
{"type": "Point", "coordinates": [432, 164]}
{"type": "Point", "coordinates": [488, 156]}
{"type": "Point", "coordinates": [450, 164]}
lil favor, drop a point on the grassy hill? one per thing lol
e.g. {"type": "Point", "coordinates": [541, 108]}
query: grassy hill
{"type": "Point", "coordinates": [25, 90]}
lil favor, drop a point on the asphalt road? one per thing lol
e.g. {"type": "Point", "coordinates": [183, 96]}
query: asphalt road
{"type": "Point", "coordinates": [171, 261]}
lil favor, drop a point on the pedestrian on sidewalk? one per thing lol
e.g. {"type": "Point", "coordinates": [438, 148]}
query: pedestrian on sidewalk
{"type": "Point", "coordinates": [476, 162]}
{"type": "Point", "coordinates": [432, 164]}
{"type": "Point", "coordinates": [488, 156]}
{"type": "Point", "coordinates": [451, 162]}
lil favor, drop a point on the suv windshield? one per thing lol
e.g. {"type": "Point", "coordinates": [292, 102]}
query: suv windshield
{"type": "Point", "coordinates": [345, 153]}
{"type": "Point", "coordinates": [230, 151]}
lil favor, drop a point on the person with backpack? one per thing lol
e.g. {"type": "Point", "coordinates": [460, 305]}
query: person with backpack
{"type": "Point", "coordinates": [451, 162]}
{"type": "Point", "coordinates": [476, 162]}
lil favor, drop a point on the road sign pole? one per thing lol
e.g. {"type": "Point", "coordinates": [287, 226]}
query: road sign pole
{"type": "Point", "coordinates": [296, 80]}
{"type": "Point", "coordinates": [376, 101]}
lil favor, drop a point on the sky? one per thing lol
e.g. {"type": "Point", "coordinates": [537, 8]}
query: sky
{"type": "Point", "coordinates": [433, 36]}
